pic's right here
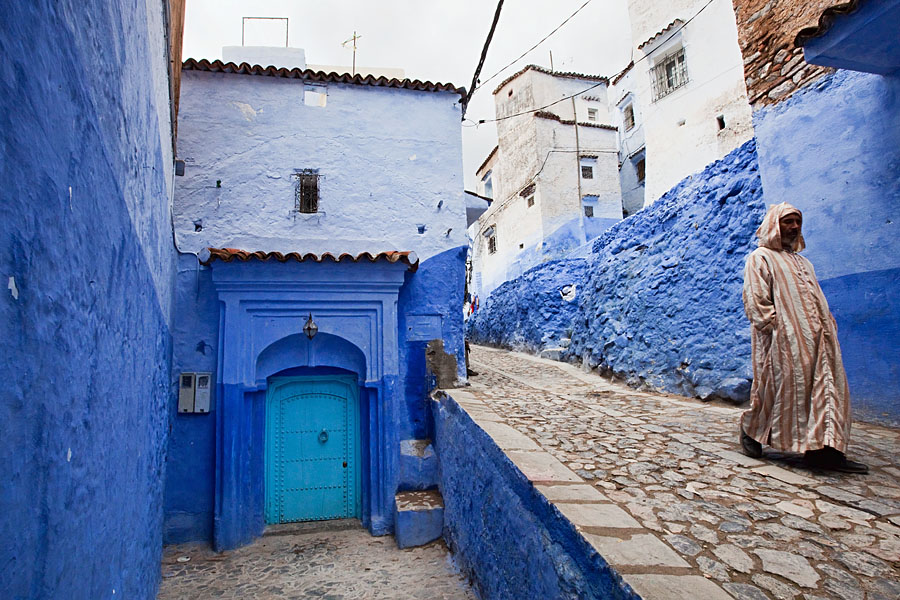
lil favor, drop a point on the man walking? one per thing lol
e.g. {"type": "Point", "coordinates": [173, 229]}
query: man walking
{"type": "Point", "coordinates": [800, 401]}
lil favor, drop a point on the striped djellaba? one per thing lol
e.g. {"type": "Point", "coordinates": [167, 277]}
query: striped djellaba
{"type": "Point", "coordinates": [799, 398]}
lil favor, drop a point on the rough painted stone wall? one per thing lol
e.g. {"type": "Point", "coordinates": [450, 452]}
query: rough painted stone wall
{"type": "Point", "coordinates": [662, 301]}
{"type": "Point", "coordinates": [503, 532]}
{"type": "Point", "coordinates": [833, 150]}
{"type": "Point", "coordinates": [773, 64]}
{"type": "Point", "coordinates": [533, 311]}
{"type": "Point", "coordinates": [86, 261]}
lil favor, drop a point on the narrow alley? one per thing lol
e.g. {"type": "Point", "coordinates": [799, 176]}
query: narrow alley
{"type": "Point", "coordinates": [331, 559]}
{"type": "Point", "coordinates": [673, 505]}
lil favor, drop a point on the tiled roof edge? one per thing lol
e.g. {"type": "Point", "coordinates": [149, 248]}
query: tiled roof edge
{"type": "Point", "coordinates": [567, 74]}
{"type": "Point", "coordinates": [543, 114]}
{"type": "Point", "coordinates": [825, 21]}
{"type": "Point", "coordinates": [217, 66]}
{"type": "Point", "coordinates": [618, 76]}
{"type": "Point", "coordinates": [660, 32]}
{"type": "Point", "coordinates": [229, 254]}
{"type": "Point", "coordinates": [488, 159]}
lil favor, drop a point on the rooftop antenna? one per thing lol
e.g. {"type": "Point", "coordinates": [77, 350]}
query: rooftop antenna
{"type": "Point", "coordinates": [551, 60]}
{"type": "Point", "coordinates": [344, 44]}
{"type": "Point", "coordinates": [244, 24]}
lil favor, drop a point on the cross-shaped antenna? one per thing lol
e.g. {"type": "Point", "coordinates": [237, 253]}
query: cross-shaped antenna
{"type": "Point", "coordinates": [344, 44]}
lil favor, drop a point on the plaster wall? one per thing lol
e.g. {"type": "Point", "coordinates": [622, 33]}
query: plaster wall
{"type": "Point", "coordinates": [631, 143]}
{"type": "Point", "coordinates": [397, 169]}
{"type": "Point", "coordinates": [86, 249]}
{"type": "Point", "coordinates": [681, 130]}
{"type": "Point", "coordinates": [503, 532]}
{"type": "Point", "coordinates": [391, 161]}
{"type": "Point", "coordinates": [833, 150]}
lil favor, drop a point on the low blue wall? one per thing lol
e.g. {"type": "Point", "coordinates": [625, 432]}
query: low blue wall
{"type": "Point", "coordinates": [85, 236]}
{"type": "Point", "coordinates": [504, 534]}
{"type": "Point", "coordinates": [529, 312]}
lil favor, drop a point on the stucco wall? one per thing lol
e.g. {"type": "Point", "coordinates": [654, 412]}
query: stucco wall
{"type": "Point", "coordinates": [85, 241]}
{"type": "Point", "coordinates": [503, 532]}
{"type": "Point", "coordinates": [530, 312]}
{"type": "Point", "coordinates": [681, 130]}
{"type": "Point", "coordinates": [833, 150]}
{"type": "Point", "coordinates": [391, 161]}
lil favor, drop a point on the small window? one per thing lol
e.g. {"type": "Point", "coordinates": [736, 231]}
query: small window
{"type": "Point", "coordinates": [530, 201]}
{"type": "Point", "coordinates": [592, 114]}
{"type": "Point", "coordinates": [589, 205]}
{"type": "Point", "coordinates": [492, 244]}
{"type": "Point", "coordinates": [629, 117]}
{"type": "Point", "coordinates": [306, 191]}
{"type": "Point", "coordinates": [487, 185]}
{"type": "Point", "coordinates": [587, 171]}
{"type": "Point", "coordinates": [721, 122]}
{"type": "Point", "coordinates": [668, 74]}
{"type": "Point", "coordinates": [640, 167]}
{"type": "Point", "coordinates": [589, 211]}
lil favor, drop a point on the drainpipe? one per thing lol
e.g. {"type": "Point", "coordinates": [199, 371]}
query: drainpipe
{"type": "Point", "coordinates": [578, 170]}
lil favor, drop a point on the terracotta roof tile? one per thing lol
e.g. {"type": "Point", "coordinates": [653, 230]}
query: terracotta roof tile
{"type": "Point", "coordinates": [229, 254]}
{"type": "Point", "coordinates": [825, 20]}
{"type": "Point", "coordinates": [618, 76]}
{"type": "Point", "coordinates": [567, 74]}
{"type": "Point", "coordinates": [488, 159]}
{"type": "Point", "coordinates": [218, 66]}
{"type": "Point", "coordinates": [666, 29]}
{"type": "Point", "coordinates": [543, 114]}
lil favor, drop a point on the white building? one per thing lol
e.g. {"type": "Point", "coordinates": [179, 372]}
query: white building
{"type": "Point", "coordinates": [682, 103]}
{"type": "Point", "coordinates": [553, 176]}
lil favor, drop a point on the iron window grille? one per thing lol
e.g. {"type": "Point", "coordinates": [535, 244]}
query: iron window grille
{"type": "Point", "coordinates": [669, 74]}
{"type": "Point", "coordinates": [589, 211]}
{"type": "Point", "coordinates": [492, 244]}
{"type": "Point", "coordinates": [306, 191]}
{"type": "Point", "coordinates": [587, 172]}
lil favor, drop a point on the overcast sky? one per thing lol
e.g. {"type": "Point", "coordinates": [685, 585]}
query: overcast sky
{"type": "Point", "coordinates": [434, 40]}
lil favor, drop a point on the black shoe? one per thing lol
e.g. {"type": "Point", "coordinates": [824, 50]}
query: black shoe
{"type": "Point", "coordinates": [831, 459]}
{"type": "Point", "coordinates": [751, 447]}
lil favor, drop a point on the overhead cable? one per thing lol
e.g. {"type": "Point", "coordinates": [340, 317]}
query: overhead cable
{"type": "Point", "coordinates": [487, 42]}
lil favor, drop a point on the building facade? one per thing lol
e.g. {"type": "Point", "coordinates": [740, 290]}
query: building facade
{"type": "Point", "coordinates": [553, 175]}
{"type": "Point", "coordinates": [681, 104]}
{"type": "Point", "coordinates": [824, 79]}
{"type": "Point", "coordinates": [321, 221]}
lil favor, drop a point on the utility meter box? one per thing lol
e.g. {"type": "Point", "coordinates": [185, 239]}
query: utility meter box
{"type": "Point", "coordinates": [194, 390]}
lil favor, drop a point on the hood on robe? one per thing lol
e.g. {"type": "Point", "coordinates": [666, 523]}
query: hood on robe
{"type": "Point", "coordinates": [769, 233]}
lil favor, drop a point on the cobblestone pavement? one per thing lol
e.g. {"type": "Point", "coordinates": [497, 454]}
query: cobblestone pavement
{"type": "Point", "coordinates": [332, 560]}
{"type": "Point", "coordinates": [674, 506]}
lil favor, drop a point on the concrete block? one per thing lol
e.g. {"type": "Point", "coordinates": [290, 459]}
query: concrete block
{"type": "Point", "coordinates": [418, 518]}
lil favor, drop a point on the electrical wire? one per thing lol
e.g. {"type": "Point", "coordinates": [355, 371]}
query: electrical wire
{"type": "Point", "coordinates": [487, 42]}
{"type": "Point", "coordinates": [644, 57]}
{"type": "Point", "coordinates": [543, 39]}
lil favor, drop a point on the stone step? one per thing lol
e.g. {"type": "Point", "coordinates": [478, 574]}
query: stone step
{"type": "Point", "coordinates": [418, 517]}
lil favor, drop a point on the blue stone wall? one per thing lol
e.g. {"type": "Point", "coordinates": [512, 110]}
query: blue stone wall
{"type": "Point", "coordinates": [659, 297]}
{"type": "Point", "coordinates": [529, 312]}
{"type": "Point", "coordinates": [833, 150]}
{"type": "Point", "coordinates": [504, 534]}
{"type": "Point", "coordinates": [85, 233]}
{"type": "Point", "coordinates": [662, 302]}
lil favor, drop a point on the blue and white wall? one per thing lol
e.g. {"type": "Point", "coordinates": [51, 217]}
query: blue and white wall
{"type": "Point", "coordinates": [833, 151]}
{"type": "Point", "coordinates": [87, 263]}
{"type": "Point", "coordinates": [391, 167]}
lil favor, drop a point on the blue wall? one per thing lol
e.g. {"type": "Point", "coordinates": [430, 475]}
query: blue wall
{"type": "Point", "coordinates": [504, 534]}
{"type": "Point", "coordinates": [660, 303]}
{"type": "Point", "coordinates": [529, 312]}
{"type": "Point", "coordinates": [833, 150]}
{"type": "Point", "coordinates": [84, 230]}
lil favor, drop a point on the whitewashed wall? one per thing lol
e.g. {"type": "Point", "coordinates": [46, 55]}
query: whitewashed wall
{"type": "Point", "coordinates": [390, 161]}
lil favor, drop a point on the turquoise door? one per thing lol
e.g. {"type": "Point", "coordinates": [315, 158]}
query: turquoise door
{"type": "Point", "coordinates": [312, 449]}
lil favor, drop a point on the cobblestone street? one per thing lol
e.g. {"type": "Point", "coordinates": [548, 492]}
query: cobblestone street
{"type": "Point", "coordinates": [332, 559]}
{"type": "Point", "coordinates": [674, 506]}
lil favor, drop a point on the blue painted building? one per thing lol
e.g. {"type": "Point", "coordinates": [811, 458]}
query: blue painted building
{"type": "Point", "coordinates": [88, 267]}
{"type": "Point", "coordinates": [324, 202]}
{"type": "Point", "coordinates": [829, 143]}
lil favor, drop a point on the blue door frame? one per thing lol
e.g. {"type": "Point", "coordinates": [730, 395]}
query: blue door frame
{"type": "Point", "coordinates": [312, 469]}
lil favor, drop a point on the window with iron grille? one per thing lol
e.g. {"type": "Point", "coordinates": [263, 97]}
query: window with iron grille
{"type": "Point", "coordinates": [306, 191]}
{"type": "Point", "coordinates": [492, 244]}
{"type": "Point", "coordinates": [668, 74]}
{"type": "Point", "coordinates": [629, 117]}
